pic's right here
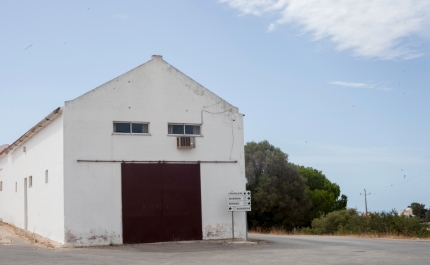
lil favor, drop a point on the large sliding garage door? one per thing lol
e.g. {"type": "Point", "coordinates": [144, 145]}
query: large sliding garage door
{"type": "Point", "coordinates": [161, 202]}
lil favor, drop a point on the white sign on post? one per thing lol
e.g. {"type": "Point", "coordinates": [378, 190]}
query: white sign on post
{"type": "Point", "coordinates": [239, 208]}
{"type": "Point", "coordinates": [240, 193]}
{"type": "Point", "coordinates": [239, 201]}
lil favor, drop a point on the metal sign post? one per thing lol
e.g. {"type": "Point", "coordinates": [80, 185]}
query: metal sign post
{"type": "Point", "coordinates": [232, 225]}
{"type": "Point", "coordinates": [246, 227]}
{"type": "Point", "coordinates": [239, 201]}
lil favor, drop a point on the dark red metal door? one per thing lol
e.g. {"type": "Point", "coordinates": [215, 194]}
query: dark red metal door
{"type": "Point", "coordinates": [161, 202]}
{"type": "Point", "coordinates": [142, 203]}
{"type": "Point", "coordinates": [182, 208]}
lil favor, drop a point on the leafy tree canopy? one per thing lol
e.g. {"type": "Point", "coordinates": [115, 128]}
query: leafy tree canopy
{"type": "Point", "coordinates": [279, 196]}
{"type": "Point", "coordinates": [323, 194]}
{"type": "Point", "coordinates": [263, 158]}
{"type": "Point", "coordinates": [286, 195]}
{"type": "Point", "coordinates": [418, 209]}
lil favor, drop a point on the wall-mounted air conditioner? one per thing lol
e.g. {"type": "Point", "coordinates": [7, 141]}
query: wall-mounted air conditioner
{"type": "Point", "coordinates": [186, 142]}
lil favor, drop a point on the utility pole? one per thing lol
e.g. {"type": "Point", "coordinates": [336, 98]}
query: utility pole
{"type": "Point", "coordinates": [365, 199]}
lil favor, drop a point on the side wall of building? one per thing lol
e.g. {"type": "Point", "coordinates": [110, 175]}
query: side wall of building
{"type": "Point", "coordinates": [159, 94]}
{"type": "Point", "coordinates": [45, 205]}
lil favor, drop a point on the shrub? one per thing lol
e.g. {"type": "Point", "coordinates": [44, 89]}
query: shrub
{"type": "Point", "coordinates": [350, 222]}
{"type": "Point", "coordinates": [330, 223]}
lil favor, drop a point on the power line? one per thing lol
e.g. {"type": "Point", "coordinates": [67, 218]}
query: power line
{"type": "Point", "coordinates": [396, 185]}
{"type": "Point", "coordinates": [365, 199]}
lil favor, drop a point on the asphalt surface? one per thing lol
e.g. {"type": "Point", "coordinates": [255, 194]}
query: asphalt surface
{"type": "Point", "coordinates": [278, 250]}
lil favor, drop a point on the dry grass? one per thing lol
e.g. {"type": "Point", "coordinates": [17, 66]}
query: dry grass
{"type": "Point", "coordinates": [281, 231]}
{"type": "Point", "coordinates": [9, 233]}
{"type": "Point", "coordinates": [276, 231]}
{"type": "Point", "coordinates": [383, 235]}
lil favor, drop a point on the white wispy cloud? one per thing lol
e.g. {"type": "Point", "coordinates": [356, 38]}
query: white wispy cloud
{"type": "Point", "coordinates": [120, 16]}
{"type": "Point", "coordinates": [350, 84]}
{"type": "Point", "coordinates": [360, 85]}
{"type": "Point", "coordinates": [384, 29]}
{"type": "Point", "coordinates": [385, 88]}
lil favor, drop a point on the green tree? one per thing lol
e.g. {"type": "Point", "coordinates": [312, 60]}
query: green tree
{"type": "Point", "coordinates": [279, 196]}
{"type": "Point", "coordinates": [324, 195]}
{"type": "Point", "coordinates": [418, 209]}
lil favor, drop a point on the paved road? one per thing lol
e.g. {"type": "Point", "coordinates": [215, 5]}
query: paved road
{"type": "Point", "coordinates": [345, 250]}
{"type": "Point", "coordinates": [280, 250]}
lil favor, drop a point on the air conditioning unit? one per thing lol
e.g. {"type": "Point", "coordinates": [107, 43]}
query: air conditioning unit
{"type": "Point", "coordinates": [186, 142]}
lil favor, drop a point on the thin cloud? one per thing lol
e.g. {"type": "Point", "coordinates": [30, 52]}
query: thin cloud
{"type": "Point", "coordinates": [271, 27]}
{"type": "Point", "coordinates": [349, 84]}
{"type": "Point", "coordinates": [360, 85]}
{"type": "Point", "coordinates": [120, 16]}
{"type": "Point", "coordinates": [385, 88]}
{"type": "Point", "coordinates": [383, 29]}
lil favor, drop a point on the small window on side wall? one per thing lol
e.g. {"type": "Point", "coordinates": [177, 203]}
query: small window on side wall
{"type": "Point", "coordinates": [30, 181]}
{"type": "Point", "coordinates": [1, 185]}
{"type": "Point", "coordinates": [183, 129]}
{"type": "Point", "coordinates": [131, 127]}
{"type": "Point", "coordinates": [139, 128]}
{"type": "Point", "coordinates": [121, 127]}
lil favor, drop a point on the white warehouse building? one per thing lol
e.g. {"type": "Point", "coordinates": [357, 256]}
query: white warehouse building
{"type": "Point", "coordinates": [146, 157]}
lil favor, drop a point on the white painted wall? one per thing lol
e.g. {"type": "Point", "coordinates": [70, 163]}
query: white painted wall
{"type": "Point", "coordinates": [44, 151]}
{"type": "Point", "coordinates": [157, 93]}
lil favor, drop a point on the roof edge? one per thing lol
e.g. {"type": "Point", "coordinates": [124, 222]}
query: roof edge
{"type": "Point", "coordinates": [113, 79]}
{"type": "Point", "coordinates": [155, 58]}
{"type": "Point", "coordinates": [39, 126]}
{"type": "Point", "coordinates": [207, 89]}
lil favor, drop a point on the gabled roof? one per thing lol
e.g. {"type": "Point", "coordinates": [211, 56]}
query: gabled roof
{"type": "Point", "coordinates": [48, 119]}
{"type": "Point", "coordinates": [2, 147]}
{"type": "Point", "coordinates": [159, 58]}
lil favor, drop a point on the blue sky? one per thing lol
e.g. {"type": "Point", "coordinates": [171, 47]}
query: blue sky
{"type": "Point", "coordinates": [340, 86]}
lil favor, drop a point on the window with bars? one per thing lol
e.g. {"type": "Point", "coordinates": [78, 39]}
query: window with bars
{"type": "Point", "coordinates": [131, 127]}
{"type": "Point", "coordinates": [183, 129]}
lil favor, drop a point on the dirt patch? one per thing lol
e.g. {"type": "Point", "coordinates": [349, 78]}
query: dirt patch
{"type": "Point", "coordinates": [10, 233]}
{"type": "Point", "coordinates": [6, 233]}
